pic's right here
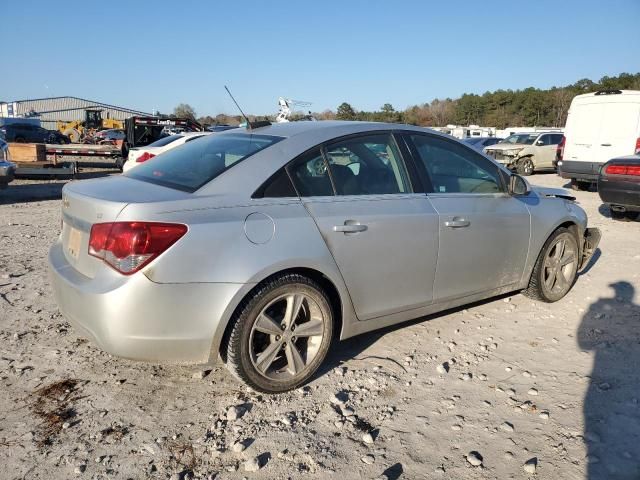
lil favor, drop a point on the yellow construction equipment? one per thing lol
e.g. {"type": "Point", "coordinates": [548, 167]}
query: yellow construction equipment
{"type": "Point", "coordinates": [78, 130]}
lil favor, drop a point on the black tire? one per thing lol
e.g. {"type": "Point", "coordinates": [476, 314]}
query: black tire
{"type": "Point", "coordinates": [240, 345]}
{"type": "Point", "coordinates": [580, 185]}
{"type": "Point", "coordinates": [624, 216]}
{"type": "Point", "coordinates": [525, 167]}
{"type": "Point", "coordinates": [538, 288]}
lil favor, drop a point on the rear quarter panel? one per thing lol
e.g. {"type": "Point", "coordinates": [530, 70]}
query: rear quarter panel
{"type": "Point", "coordinates": [217, 248]}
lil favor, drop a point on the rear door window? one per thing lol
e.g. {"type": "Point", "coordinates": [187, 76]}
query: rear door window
{"type": "Point", "coordinates": [310, 175]}
{"type": "Point", "coordinates": [194, 164]}
{"type": "Point", "coordinates": [367, 165]}
{"type": "Point", "coordinates": [556, 138]}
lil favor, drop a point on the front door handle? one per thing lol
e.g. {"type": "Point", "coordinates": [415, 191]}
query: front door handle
{"type": "Point", "coordinates": [457, 222]}
{"type": "Point", "coordinates": [605, 144]}
{"type": "Point", "coordinates": [350, 226]}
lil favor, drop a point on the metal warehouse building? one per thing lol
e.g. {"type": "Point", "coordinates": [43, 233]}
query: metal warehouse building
{"type": "Point", "coordinates": [50, 110]}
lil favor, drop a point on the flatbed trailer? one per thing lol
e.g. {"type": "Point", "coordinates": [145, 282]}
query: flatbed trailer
{"type": "Point", "coordinates": [82, 150]}
{"type": "Point", "coordinates": [46, 169]}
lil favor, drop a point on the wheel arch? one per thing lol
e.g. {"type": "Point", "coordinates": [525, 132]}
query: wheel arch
{"type": "Point", "coordinates": [570, 225]}
{"type": "Point", "coordinates": [340, 306]}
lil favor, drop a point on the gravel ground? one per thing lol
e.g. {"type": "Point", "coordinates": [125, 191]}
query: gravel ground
{"type": "Point", "coordinates": [508, 388]}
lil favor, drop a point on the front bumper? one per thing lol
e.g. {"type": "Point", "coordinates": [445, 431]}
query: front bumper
{"type": "Point", "coordinates": [507, 160]}
{"type": "Point", "coordinates": [579, 170]}
{"type": "Point", "coordinates": [590, 243]}
{"type": "Point", "coordinates": [136, 318]}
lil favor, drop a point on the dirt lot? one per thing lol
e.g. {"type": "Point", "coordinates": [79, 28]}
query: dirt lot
{"type": "Point", "coordinates": [556, 386]}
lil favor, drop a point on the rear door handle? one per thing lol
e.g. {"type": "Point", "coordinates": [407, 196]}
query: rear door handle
{"type": "Point", "coordinates": [350, 226]}
{"type": "Point", "coordinates": [605, 144]}
{"type": "Point", "coordinates": [457, 223]}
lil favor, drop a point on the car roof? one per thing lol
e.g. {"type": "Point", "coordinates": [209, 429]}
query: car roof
{"type": "Point", "coordinates": [292, 129]}
{"type": "Point", "coordinates": [191, 134]}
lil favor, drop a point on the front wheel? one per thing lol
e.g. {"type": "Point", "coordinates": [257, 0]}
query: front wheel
{"type": "Point", "coordinates": [556, 269]}
{"type": "Point", "coordinates": [281, 335]}
{"type": "Point", "coordinates": [525, 167]}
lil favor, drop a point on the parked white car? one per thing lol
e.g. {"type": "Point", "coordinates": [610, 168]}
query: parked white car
{"type": "Point", "coordinates": [600, 126]}
{"type": "Point", "coordinates": [142, 154]}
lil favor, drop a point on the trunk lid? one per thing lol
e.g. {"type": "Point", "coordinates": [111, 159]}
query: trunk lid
{"type": "Point", "coordinates": [97, 201]}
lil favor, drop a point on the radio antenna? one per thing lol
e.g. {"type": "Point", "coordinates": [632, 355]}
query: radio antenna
{"type": "Point", "coordinates": [243, 115]}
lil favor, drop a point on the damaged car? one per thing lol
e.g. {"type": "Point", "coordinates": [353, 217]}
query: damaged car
{"type": "Point", "coordinates": [527, 153]}
{"type": "Point", "coordinates": [261, 246]}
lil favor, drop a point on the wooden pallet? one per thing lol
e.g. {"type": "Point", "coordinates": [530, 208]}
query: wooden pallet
{"type": "Point", "coordinates": [28, 152]}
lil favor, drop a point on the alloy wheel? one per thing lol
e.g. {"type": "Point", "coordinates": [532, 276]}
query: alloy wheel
{"type": "Point", "coordinates": [286, 336]}
{"type": "Point", "coordinates": [527, 167]}
{"type": "Point", "coordinates": [560, 265]}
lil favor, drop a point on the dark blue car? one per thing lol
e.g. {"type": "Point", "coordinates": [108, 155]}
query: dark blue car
{"type": "Point", "coordinates": [478, 143]}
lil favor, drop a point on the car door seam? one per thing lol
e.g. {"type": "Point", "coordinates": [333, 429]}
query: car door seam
{"type": "Point", "coordinates": [344, 282]}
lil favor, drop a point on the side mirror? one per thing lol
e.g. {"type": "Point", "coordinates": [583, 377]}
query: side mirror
{"type": "Point", "coordinates": [518, 185]}
{"type": "Point", "coordinates": [539, 143]}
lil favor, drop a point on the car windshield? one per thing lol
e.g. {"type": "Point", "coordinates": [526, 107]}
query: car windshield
{"type": "Point", "coordinates": [521, 138]}
{"type": "Point", "coordinates": [473, 141]}
{"type": "Point", "coordinates": [192, 165]}
{"type": "Point", "coordinates": [165, 141]}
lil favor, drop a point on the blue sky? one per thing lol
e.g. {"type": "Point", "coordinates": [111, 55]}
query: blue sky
{"type": "Point", "coordinates": [154, 55]}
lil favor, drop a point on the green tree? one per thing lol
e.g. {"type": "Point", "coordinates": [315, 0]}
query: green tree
{"type": "Point", "coordinates": [387, 108]}
{"type": "Point", "coordinates": [345, 112]}
{"type": "Point", "coordinates": [184, 110]}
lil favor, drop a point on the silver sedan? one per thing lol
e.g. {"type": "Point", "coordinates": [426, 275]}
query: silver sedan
{"type": "Point", "coordinates": [259, 246]}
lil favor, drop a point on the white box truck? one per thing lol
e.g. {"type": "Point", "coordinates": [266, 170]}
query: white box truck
{"type": "Point", "coordinates": [600, 126]}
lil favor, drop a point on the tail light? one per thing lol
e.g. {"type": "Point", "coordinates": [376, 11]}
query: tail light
{"type": "Point", "coordinates": [144, 157]}
{"type": "Point", "coordinates": [129, 246]}
{"type": "Point", "coordinates": [560, 149]}
{"type": "Point", "coordinates": [637, 149]}
{"type": "Point", "coordinates": [633, 170]}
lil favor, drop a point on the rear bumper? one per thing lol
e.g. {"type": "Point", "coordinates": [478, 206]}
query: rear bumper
{"type": "Point", "coordinates": [621, 193]}
{"type": "Point", "coordinates": [139, 319]}
{"type": "Point", "coordinates": [579, 170]}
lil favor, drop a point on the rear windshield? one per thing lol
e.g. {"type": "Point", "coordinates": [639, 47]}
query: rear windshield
{"type": "Point", "coordinates": [190, 166]}
{"type": "Point", "coordinates": [165, 141]}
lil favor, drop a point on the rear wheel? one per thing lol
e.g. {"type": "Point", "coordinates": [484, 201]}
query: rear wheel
{"type": "Point", "coordinates": [556, 269]}
{"type": "Point", "coordinates": [628, 216]}
{"type": "Point", "coordinates": [281, 335]}
{"type": "Point", "coordinates": [525, 167]}
{"type": "Point", "coordinates": [580, 185]}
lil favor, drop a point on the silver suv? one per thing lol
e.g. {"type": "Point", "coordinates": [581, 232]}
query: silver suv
{"type": "Point", "coordinates": [527, 152]}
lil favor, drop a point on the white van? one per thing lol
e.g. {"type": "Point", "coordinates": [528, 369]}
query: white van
{"type": "Point", "coordinates": [600, 126]}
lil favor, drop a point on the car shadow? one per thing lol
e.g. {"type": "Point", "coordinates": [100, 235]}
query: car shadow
{"type": "Point", "coordinates": [592, 188]}
{"type": "Point", "coordinates": [611, 330]}
{"type": "Point", "coordinates": [592, 261]}
{"type": "Point", "coordinates": [343, 351]}
{"type": "Point", "coordinates": [605, 211]}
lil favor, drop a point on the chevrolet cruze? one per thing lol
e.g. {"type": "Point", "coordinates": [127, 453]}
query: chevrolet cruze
{"type": "Point", "coordinates": [258, 246]}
